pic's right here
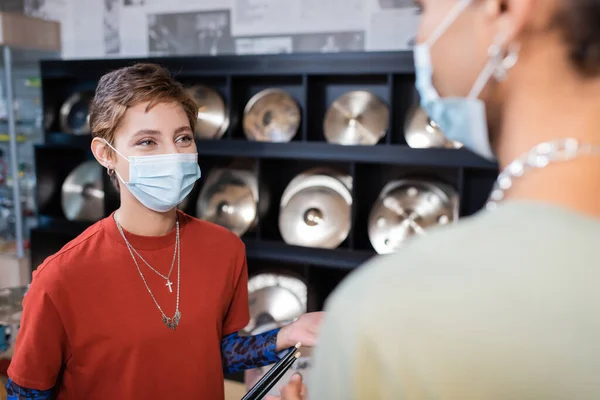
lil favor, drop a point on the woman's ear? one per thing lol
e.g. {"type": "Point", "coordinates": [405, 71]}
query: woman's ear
{"type": "Point", "coordinates": [102, 153]}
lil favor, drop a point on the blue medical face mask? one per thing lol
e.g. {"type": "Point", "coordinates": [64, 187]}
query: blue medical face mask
{"type": "Point", "coordinates": [161, 182]}
{"type": "Point", "coordinates": [461, 119]}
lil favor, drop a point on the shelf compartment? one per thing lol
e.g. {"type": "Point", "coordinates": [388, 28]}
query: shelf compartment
{"type": "Point", "coordinates": [276, 175]}
{"type": "Point", "coordinates": [52, 166]}
{"type": "Point", "coordinates": [323, 90]}
{"type": "Point", "coordinates": [371, 179]}
{"type": "Point", "coordinates": [244, 88]}
{"type": "Point", "coordinates": [323, 281]}
{"type": "Point", "coordinates": [404, 97]}
{"type": "Point", "coordinates": [477, 186]}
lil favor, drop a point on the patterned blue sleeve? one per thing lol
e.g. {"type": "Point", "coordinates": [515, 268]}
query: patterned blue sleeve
{"type": "Point", "coordinates": [239, 353]}
{"type": "Point", "coordinates": [16, 392]}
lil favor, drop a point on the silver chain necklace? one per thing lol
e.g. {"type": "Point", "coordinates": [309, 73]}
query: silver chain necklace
{"type": "Point", "coordinates": [172, 322]}
{"type": "Point", "coordinates": [166, 278]}
{"type": "Point", "coordinates": [539, 157]}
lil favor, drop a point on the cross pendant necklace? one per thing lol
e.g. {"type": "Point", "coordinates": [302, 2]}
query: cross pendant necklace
{"type": "Point", "coordinates": [169, 284]}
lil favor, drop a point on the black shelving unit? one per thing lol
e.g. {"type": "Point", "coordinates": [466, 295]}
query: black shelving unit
{"type": "Point", "coordinates": [314, 81]}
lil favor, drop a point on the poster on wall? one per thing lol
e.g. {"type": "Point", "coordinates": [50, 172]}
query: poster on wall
{"type": "Point", "coordinates": [329, 42]}
{"type": "Point", "coordinates": [264, 45]}
{"type": "Point", "coordinates": [276, 17]}
{"type": "Point", "coordinates": [203, 32]}
{"type": "Point", "coordinates": [112, 41]}
{"type": "Point", "coordinates": [392, 25]}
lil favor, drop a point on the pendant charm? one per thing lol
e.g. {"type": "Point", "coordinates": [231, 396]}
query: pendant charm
{"type": "Point", "coordinates": [169, 284]}
{"type": "Point", "coordinates": [172, 323]}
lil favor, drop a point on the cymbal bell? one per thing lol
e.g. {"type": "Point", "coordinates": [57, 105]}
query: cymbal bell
{"type": "Point", "coordinates": [407, 208]}
{"type": "Point", "coordinates": [421, 132]}
{"type": "Point", "coordinates": [356, 118]}
{"type": "Point", "coordinates": [83, 193]}
{"type": "Point", "coordinates": [271, 115]}
{"type": "Point", "coordinates": [212, 120]}
{"type": "Point", "coordinates": [315, 212]}
{"type": "Point", "coordinates": [229, 198]}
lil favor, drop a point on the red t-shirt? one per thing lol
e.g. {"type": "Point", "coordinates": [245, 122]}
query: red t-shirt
{"type": "Point", "coordinates": [90, 327]}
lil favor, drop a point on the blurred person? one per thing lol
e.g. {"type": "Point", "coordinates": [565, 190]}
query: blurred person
{"type": "Point", "coordinates": [146, 303]}
{"type": "Point", "coordinates": [504, 305]}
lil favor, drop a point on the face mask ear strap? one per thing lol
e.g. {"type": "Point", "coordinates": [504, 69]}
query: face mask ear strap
{"type": "Point", "coordinates": [116, 151]}
{"type": "Point", "coordinates": [501, 61]}
{"type": "Point", "coordinates": [447, 21]}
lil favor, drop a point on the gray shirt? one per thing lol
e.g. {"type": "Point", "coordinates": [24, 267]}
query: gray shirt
{"type": "Point", "coordinates": [504, 305]}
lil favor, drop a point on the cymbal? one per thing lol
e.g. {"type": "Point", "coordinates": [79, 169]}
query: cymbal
{"type": "Point", "coordinates": [273, 304]}
{"type": "Point", "coordinates": [261, 316]}
{"type": "Point", "coordinates": [315, 211]}
{"type": "Point", "coordinates": [75, 113]}
{"type": "Point", "coordinates": [213, 120]}
{"type": "Point", "coordinates": [83, 193]}
{"type": "Point", "coordinates": [421, 132]}
{"type": "Point", "coordinates": [356, 118]}
{"type": "Point", "coordinates": [229, 198]}
{"type": "Point", "coordinates": [271, 115]}
{"type": "Point", "coordinates": [407, 208]}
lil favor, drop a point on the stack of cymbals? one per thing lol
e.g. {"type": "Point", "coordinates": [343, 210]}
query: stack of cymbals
{"type": "Point", "coordinates": [271, 115]}
{"type": "Point", "coordinates": [421, 132]}
{"type": "Point", "coordinates": [75, 113]}
{"type": "Point", "coordinates": [315, 209]}
{"type": "Point", "coordinates": [213, 118]}
{"type": "Point", "coordinates": [83, 193]}
{"type": "Point", "coordinates": [229, 197]}
{"type": "Point", "coordinates": [409, 207]}
{"type": "Point", "coordinates": [356, 118]}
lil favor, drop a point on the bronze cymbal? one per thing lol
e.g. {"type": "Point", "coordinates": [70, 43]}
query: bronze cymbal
{"type": "Point", "coordinates": [421, 132]}
{"type": "Point", "coordinates": [407, 208]}
{"type": "Point", "coordinates": [291, 300]}
{"type": "Point", "coordinates": [229, 198]}
{"type": "Point", "coordinates": [356, 118]}
{"type": "Point", "coordinates": [213, 119]}
{"type": "Point", "coordinates": [271, 115]}
{"type": "Point", "coordinates": [315, 211]}
{"type": "Point", "coordinates": [75, 113]}
{"type": "Point", "coordinates": [83, 193]}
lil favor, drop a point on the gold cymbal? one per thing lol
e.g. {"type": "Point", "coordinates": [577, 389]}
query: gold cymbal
{"type": "Point", "coordinates": [271, 115]}
{"type": "Point", "coordinates": [356, 118]}
{"type": "Point", "coordinates": [229, 198]}
{"type": "Point", "coordinates": [315, 212]}
{"type": "Point", "coordinates": [406, 208]}
{"type": "Point", "coordinates": [213, 119]}
{"type": "Point", "coordinates": [83, 193]}
{"type": "Point", "coordinates": [421, 132]}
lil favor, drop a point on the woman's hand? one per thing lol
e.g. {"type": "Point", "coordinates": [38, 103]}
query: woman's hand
{"type": "Point", "coordinates": [304, 330]}
{"type": "Point", "coordinates": [295, 389]}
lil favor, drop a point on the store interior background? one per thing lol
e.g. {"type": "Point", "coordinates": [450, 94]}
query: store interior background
{"type": "Point", "coordinates": [130, 29]}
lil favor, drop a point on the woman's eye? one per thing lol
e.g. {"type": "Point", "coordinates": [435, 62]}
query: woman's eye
{"type": "Point", "coordinates": [146, 142]}
{"type": "Point", "coordinates": [186, 138]}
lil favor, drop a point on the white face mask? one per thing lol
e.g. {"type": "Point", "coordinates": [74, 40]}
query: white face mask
{"type": "Point", "coordinates": [461, 119]}
{"type": "Point", "coordinates": [161, 182]}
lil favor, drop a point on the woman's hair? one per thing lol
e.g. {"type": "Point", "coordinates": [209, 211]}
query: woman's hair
{"type": "Point", "coordinates": [579, 21]}
{"type": "Point", "coordinates": [125, 87]}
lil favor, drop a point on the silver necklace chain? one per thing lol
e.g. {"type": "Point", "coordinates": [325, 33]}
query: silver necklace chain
{"type": "Point", "coordinates": [539, 157]}
{"type": "Point", "coordinates": [166, 278]}
{"type": "Point", "coordinates": [171, 322]}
